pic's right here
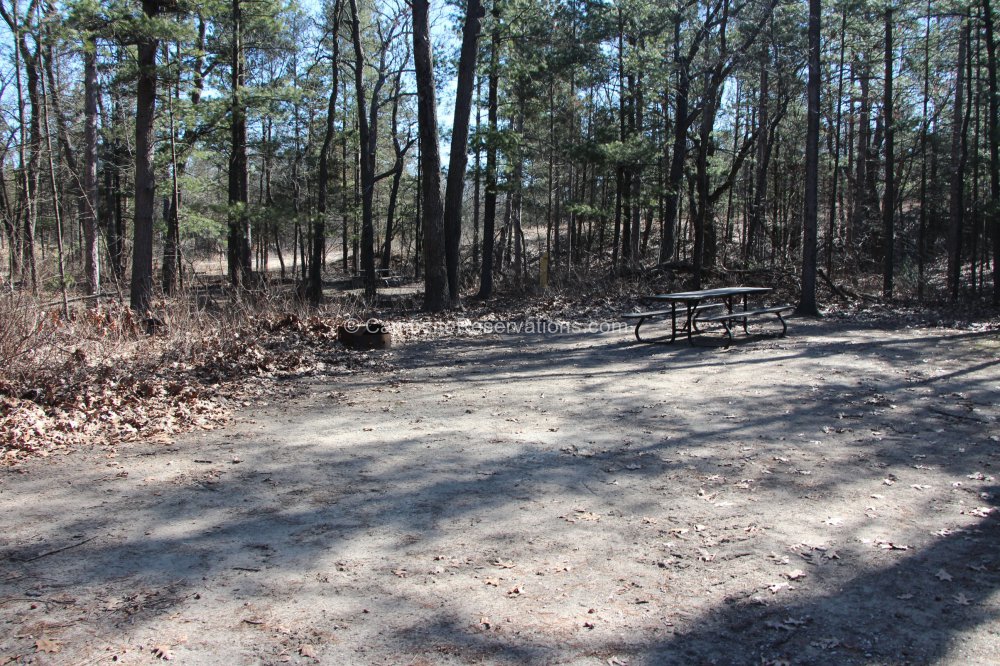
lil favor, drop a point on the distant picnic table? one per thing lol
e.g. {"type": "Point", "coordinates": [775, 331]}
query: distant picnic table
{"type": "Point", "coordinates": [725, 305]}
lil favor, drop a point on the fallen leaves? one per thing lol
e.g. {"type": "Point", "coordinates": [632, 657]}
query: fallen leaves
{"type": "Point", "coordinates": [581, 514]}
{"type": "Point", "coordinates": [789, 624]}
{"type": "Point", "coordinates": [127, 386]}
{"type": "Point", "coordinates": [573, 450]}
{"type": "Point", "coordinates": [47, 645]}
{"type": "Point", "coordinates": [163, 652]}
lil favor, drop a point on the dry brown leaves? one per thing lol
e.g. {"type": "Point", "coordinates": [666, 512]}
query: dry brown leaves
{"type": "Point", "coordinates": [156, 386]}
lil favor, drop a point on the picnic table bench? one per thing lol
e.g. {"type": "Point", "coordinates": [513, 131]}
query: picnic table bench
{"type": "Point", "coordinates": [386, 277]}
{"type": "Point", "coordinates": [727, 319]}
{"type": "Point", "coordinates": [696, 310]}
{"type": "Point", "coordinates": [643, 317]}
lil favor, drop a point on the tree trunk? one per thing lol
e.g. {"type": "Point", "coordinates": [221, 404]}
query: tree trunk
{"type": "Point", "coordinates": [861, 203]}
{"type": "Point", "coordinates": [436, 295]}
{"type": "Point", "coordinates": [924, 131]}
{"type": "Point", "coordinates": [459, 144]}
{"type": "Point", "coordinates": [635, 194]}
{"type": "Point", "coordinates": [956, 198]}
{"type": "Point", "coordinates": [477, 177]}
{"type": "Point", "coordinates": [835, 179]}
{"type": "Point", "coordinates": [145, 98]}
{"type": "Point", "coordinates": [889, 202]}
{"type": "Point", "coordinates": [807, 301]}
{"type": "Point", "coordinates": [679, 151]}
{"type": "Point", "coordinates": [171, 242]}
{"type": "Point", "coordinates": [400, 150]}
{"type": "Point", "coordinates": [239, 219]}
{"type": "Point", "coordinates": [516, 199]}
{"type": "Point", "coordinates": [753, 244]}
{"type": "Point", "coordinates": [31, 67]}
{"type": "Point", "coordinates": [490, 200]}
{"type": "Point", "coordinates": [56, 208]}
{"type": "Point", "coordinates": [91, 255]}
{"type": "Point", "coordinates": [367, 138]}
{"type": "Point", "coordinates": [993, 215]}
{"type": "Point", "coordinates": [345, 240]}
{"type": "Point", "coordinates": [314, 288]}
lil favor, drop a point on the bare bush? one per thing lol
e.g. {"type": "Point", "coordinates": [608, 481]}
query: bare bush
{"type": "Point", "coordinates": [108, 375]}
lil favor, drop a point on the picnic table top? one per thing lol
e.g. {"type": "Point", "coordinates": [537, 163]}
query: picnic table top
{"type": "Point", "coordinates": [720, 292]}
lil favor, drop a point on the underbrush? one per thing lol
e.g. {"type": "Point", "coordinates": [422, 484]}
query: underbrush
{"type": "Point", "coordinates": [106, 376]}
{"type": "Point", "coordinates": [101, 377]}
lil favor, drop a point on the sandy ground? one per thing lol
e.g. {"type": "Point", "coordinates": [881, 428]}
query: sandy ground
{"type": "Point", "coordinates": [825, 498]}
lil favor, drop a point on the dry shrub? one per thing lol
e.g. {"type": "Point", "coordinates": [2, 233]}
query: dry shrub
{"type": "Point", "coordinates": [24, 330]}
{"type": "Point", "coordinates": [99, 376]}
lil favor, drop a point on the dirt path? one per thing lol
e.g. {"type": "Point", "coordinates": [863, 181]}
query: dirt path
{"type": "Point", "coordinates": [573, 499]}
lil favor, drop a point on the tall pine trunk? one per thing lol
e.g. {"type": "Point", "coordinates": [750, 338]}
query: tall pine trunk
{"type": "Point", "coordinates": [366, 147]}
{"type": "Point", "coordinates": [91, 255]}
{"type": "Point", "coordinates": [679, 151]}
{"type": "Point", "coordinates": [490, 198]}
{"type": "Point", "coordinates": [314, 288]}
{"type": "Point", "coordinates": [238, 249]}
{"type": "Point", "coordinates": [145, 99]}
{"type": "Point", "coordinates": [956, 198]}
{"type": "Point", "coordinates": [889, 203]}
{"type": "Point", "coordinates": [807, 300]}
{"type": "Point", "coordinates": [993, 214]}
{"type": "Point", "coordinates": [435, 267]}
{"type": "Point", "coordinates": [458, 158]}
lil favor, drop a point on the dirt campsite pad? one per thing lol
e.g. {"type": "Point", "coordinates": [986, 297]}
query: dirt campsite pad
{"type": "Point", "coordinates": [563, 498]}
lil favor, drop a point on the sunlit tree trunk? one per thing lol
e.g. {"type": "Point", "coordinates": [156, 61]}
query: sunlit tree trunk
{"type": "Point", "coordinates": [91, 255]}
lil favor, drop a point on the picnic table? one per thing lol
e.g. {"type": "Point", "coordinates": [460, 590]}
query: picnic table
{"type": "Point", "coordinates": [385, 277]}
{"type": "Point", "coordinates": [725, 305]}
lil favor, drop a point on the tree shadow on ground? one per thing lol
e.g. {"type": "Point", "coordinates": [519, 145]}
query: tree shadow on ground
{"type": "Point", "coordinates": [873, 618]}
{"type": "Point", "coordinates": [267, 520]}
